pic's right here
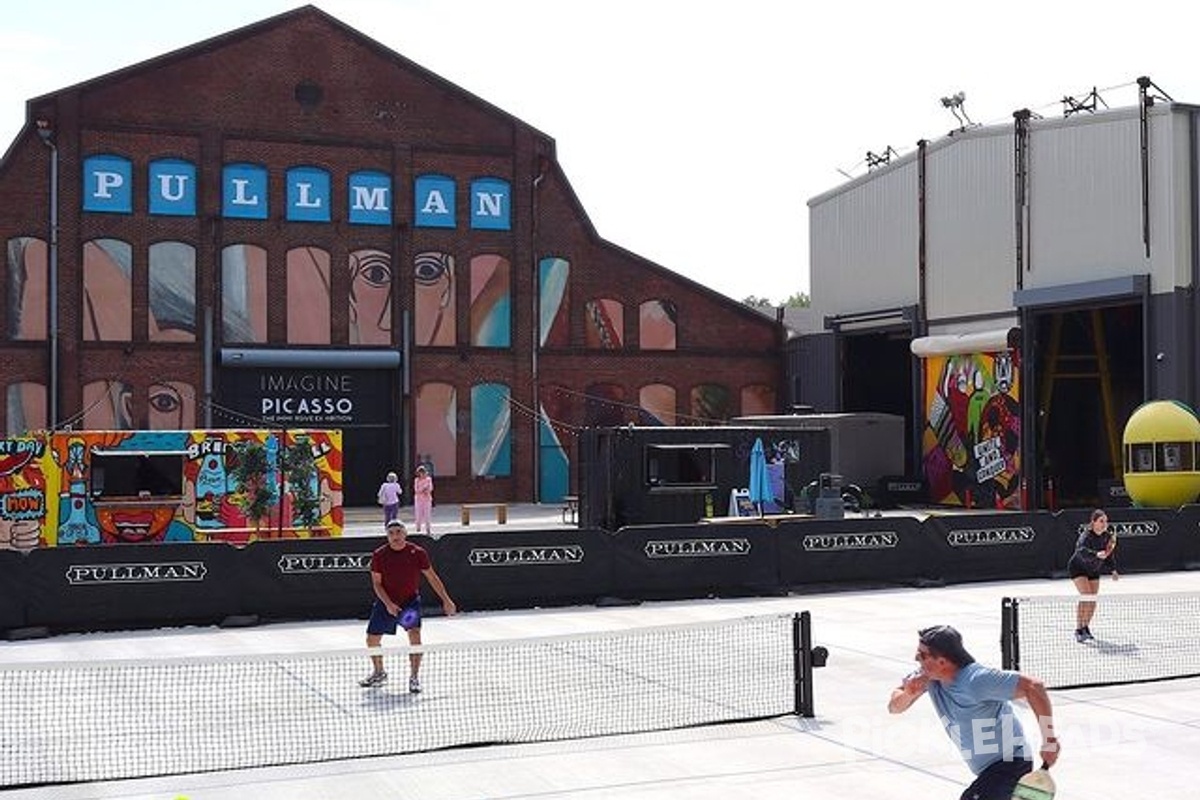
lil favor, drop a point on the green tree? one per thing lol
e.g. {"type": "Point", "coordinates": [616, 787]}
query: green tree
{"type": "Point", "coordinates": [301, 473]}
{"type": "Point", "coordinates": [250, 478]}
{"type": "Point", "coordinates": [798, 300]}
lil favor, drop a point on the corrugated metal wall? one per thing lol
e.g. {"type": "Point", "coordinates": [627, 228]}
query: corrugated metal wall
{"type": "Point", "coordinates": [812, 364]}
{"type": "Point", "coordinates": [1085, 217]}
{"type": "Point", "coordinates": [863, 243]}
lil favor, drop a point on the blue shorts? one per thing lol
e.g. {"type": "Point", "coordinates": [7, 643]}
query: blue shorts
{"type": "Point", "coordinates": [381, 622]}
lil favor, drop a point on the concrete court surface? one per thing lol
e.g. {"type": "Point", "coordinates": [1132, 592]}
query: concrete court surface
{"type": "Point", "coordinates": [1139, 740]}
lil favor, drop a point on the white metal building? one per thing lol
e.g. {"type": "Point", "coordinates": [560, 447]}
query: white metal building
{"type": "Point", "coordinates": [1065, 247]}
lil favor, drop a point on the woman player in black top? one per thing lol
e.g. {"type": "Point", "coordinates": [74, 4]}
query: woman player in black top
{"type": "Point", "coordinates": [1093, 554]}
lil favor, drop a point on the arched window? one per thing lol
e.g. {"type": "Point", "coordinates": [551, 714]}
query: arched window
{"type": "Point", "coordinates": [757, 399]}
{"type": "Point", "coordinates": [370, 297]}
{"type": "Point", "coordinates": [308, 296]}
{"type": "Point", "coordinates": [107, 406]}
{"type": "Point", "coordinates": [554, 328]}
{"type": "Point", "coordinates": [172, 284]}
{"type": "Point", "coordinates": [604, 327]}
{"type": "Point", "coordinates": [709, 404]}
{"type": "Point", "coordinates": [28, 296]}
{"type": "Point", "coordinates": [437, 427]}
{"type": "Point", "coordinates": [244, 294]}
{"type": "Point", "coordinates": [605, 405]}
{"type": "Point", "coordinates": [433, 317]}
{"type": "Point", "coordinates": [491, 431]}
{"type": "Point", "coordinates": [491, 301]}
{"type": "Point", "coordinates": [657, 404]}
{"type": "Point", "coordinates": [657, 321]}
{"type": "Point", "coordinates": [26, 408]}
{"type": "Point", "coordinates": [107, 291]}
{"type": "Point", "coordinates": [171, 406]}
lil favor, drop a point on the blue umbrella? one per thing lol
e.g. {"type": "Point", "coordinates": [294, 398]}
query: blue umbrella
{"type": "Point", "coordinates": [760, 479]}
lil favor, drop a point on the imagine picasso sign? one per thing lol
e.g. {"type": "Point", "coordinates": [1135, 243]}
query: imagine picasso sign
{"type": "Point", "coordinates": [172, 191]}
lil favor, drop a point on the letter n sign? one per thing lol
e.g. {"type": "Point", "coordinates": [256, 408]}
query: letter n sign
{"type": "Point", "coordinates": [491, 204]}
{"type": "Point", "coordinates": [108, 185]}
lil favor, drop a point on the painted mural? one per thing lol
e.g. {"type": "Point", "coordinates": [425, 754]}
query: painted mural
{"type": "Point", "coordinates": [114, 487]}
{"type": "Point", "coordinates": [971, 445]}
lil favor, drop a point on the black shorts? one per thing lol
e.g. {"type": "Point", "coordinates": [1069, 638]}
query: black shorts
{"type": "Point", "coordinates": [1080, 568]}
{"type": "Point", "coordinates": [997, 780]}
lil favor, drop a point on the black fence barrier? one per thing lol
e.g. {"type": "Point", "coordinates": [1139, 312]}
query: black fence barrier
{"type": "Point", "coordinates": [1189, 536]}
{"type": "Point", "coordinates": [674, 561]}
{"type": "Point", "coordinates": [324, 578]}
{"type": "Point", "coordinates": [882, 549]}
{"type": "Point", "coordinates": [524, 569]}
{"type": "Point", "coordinates": [981, 547]}
{"type": "Point", "coordinates": [1148, 539]}
{"type": "Point", "coordinates": [132, 585]}
{"type": "Point", "coordinates": [13, 589]}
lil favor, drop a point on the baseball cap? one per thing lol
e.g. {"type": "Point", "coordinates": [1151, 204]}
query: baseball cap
{"type": "Point", "coordinates": [944, 640]}
{"type": "Point", "coordinates": [393, 523]}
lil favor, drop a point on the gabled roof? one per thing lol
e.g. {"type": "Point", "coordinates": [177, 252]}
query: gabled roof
{"type": "Point", "coordinates": [280, 21]}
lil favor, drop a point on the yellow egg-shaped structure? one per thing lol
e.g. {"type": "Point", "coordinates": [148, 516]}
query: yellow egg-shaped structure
{"type": "Point", "coordinates": [1161, 444]}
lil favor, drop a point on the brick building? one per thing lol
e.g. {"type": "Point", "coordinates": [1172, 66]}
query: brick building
{"type": "Point", "coordinates": [292, 225]}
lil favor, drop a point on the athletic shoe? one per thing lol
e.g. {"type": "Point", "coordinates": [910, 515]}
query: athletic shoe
{"type": "Point", "coordinates": [1080, 636]}
{"type": "Point", "coordinates": [414, 685]}
{"type": "Point", "coordinates": [1087, 633]}
{"type": "Point", "coordinates": [374, 679]}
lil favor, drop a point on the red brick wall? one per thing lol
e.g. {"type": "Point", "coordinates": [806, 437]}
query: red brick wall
{"type": "Point", "coordinates": [234, 99]}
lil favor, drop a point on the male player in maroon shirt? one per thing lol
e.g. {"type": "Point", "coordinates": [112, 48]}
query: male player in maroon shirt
{"type": "Point", "coordinates": [396, 570]}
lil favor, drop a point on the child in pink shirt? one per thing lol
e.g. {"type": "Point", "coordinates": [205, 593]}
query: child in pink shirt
{"type": "Point", "coordinates": [423, 500]}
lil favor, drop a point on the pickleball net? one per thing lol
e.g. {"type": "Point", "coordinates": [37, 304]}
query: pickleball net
{"type": "Point", "coordinates": [1138, 638]}
{"type": "Point", "coordinates": [110, 720]}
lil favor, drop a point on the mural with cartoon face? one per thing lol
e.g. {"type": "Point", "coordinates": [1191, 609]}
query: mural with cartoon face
{"type": "Point", "coordinates": [136, 487]}
{"type": "Point", "coordinates": [971, 446]}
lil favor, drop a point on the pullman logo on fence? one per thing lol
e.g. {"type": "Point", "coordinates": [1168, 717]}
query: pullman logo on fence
{"type": "Point", "coordinates": [832, 542]}
{"type": "Point", "coordinates": [167, 572]}
{"type": "Point", "coordinates": [295, 563]}
{"type": "Point", "coordinates": [525, 556]}
{"type": "Point", "coordinates": [1137, 527]}
{"type": "Point", "coordinates": [697, 548]}
{"type": "Point", "coordinates": [986, 537]}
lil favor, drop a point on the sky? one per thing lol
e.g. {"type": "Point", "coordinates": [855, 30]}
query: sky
{"type": "Point", "coordinates": [693, 131]}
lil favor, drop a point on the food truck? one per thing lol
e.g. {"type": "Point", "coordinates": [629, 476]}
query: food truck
{"type": "Point", "coordinates": [68, 488]}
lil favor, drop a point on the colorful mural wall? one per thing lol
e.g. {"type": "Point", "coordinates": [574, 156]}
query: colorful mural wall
{"type": "Point", "coordinates": [110, 487]}
{"type": "Point", "coordinates": [971, 445]}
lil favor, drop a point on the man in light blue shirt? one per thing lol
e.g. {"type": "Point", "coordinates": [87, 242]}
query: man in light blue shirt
{"type": "Point", "coordinates": [974, 705]}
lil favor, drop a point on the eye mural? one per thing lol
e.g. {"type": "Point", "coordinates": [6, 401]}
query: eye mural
{"type": "Point", "coordinates": [434, 320]}
{"type": "Point", "coordinates": [370, 297]}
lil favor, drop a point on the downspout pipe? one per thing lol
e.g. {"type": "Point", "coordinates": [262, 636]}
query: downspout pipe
{"type": "Point", "coordinates": [46, 133]}
{"type": "Point", "coordinates": [536, 341]}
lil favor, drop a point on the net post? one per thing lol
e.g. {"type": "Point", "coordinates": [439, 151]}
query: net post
{"type": "Point", "coordinates": [802, 663]}
{"type": "Point", "coordinates": [1010, 648]}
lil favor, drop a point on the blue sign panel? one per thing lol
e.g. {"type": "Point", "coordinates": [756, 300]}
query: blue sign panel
{"type": "Point", "coordinates": [491, 204]}
{"type": "Point", "coordinates": [108, 184]}
{"type": "Point", "coordinates": [308, 194]}
{"type": "Point", "coordinates": [244, 191]}
{"type": "Point", "coordinates": [172, 187]}
{"type": "Point", "coordinates": [433, 205]}
{"type": "Point", "coordinates": [370, 198]}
